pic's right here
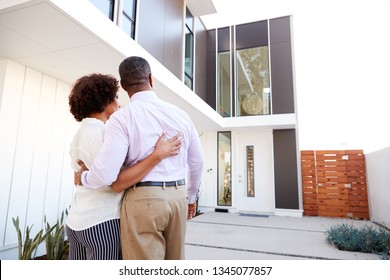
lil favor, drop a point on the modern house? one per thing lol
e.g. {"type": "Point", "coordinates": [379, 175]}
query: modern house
{"type": "Point", "coordinates": [236, 83]}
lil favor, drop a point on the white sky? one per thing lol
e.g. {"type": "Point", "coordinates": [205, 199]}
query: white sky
{"type": "Point", "coordinates": [342, 60]}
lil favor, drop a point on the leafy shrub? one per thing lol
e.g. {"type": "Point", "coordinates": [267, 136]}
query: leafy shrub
{"type": "Point", "coordinates": [366, 239]}
{"type": "Point", "coordinates": [28, 247]}
{"type": "Point", "coordinates": [57, 245]}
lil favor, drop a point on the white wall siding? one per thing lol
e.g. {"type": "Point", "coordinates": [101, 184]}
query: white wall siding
{"type": "Point", "coordinates": [12, 89]}
{"type": "Point", "coordinates": [208, 191]}
{"type": "Point", "coordinates": [35, 174]}
{"type": "Point", "coordinates": [378, 178]}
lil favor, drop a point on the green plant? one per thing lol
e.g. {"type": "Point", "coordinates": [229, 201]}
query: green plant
{"type": "Point", "coordinates": [28, 247]}
{"type": "Point", "coordinates": [366, 239]}
{"type": "Point", "coordinates": [57, 245]}
{"type": "Point", "coordinates": [197, 207]}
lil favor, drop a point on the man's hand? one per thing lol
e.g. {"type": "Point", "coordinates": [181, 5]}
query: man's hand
{"type": "Point", "coordinates": [77, 175]}
{"type": "Point", "coordinates": [191, 211]}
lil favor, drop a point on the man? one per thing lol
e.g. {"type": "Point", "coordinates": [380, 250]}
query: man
{"type": "Point", "coordinates": [154, 212]}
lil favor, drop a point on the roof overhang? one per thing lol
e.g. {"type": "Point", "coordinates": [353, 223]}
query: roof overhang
{"type": "Point", "coordinates": [201, 7]}
{"type": "Point", "coordinates": [69, 39]}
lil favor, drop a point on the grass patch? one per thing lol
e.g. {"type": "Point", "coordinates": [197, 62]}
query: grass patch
{"type": "Point", "coordinates": [365, 240]}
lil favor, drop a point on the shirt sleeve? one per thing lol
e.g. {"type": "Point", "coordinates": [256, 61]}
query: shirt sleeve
{"type": "Point", "coordinates": [107, 164]}
{"type": "Point", "coordinates": [195, 166]}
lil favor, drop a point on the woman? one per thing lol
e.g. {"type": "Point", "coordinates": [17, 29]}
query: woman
{"type": "Point", "coordinates": [93, 220]}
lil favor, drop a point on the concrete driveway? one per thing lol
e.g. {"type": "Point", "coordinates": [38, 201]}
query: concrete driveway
{"type": "Point", "coordinates": [226, 236]}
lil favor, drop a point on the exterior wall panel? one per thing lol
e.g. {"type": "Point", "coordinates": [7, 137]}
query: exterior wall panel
{"type": "Point", "coordinates": [160, 32]}
{"type": "Point", "coordinates": [281, 66]}
{"type": "Point", "coordinates": [35, 173]}
{"type": "Point", "coordinates": [286, 169]}
{"type": "Point", "coordinates": [200, 59]}
{"type": "Point", "coordinates": [252, 35]}
{"type": "Point", "coordinates": [211, 69]}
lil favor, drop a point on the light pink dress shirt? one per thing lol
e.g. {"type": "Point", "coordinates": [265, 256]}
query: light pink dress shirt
{"type": "Point", "coordinates": [131, 134]}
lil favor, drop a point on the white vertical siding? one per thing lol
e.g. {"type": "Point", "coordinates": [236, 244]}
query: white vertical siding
{"type": "Point", "coordinates": [36, 126]}
{"type": "Point", "coordinates": [378, 178]}
{"type": "Point", "coordinates": [12, 89]}
{"type": "Point", "coordinates": [208, 191]}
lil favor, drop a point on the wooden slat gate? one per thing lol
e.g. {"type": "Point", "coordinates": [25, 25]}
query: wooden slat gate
{"type": "Point", "coordinates": [334, 184]}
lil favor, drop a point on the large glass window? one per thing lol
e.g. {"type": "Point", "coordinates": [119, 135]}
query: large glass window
{"type": "Point", "coordinates": [105, 6]}
{"type": "Point", "coordinates": [253, 83]}
{"type": "Point", "coordinates": [224, 169]}
{"type": "Point", "coordinates": [224, 92]}
{"type": "Point", "coordinates": [128, 17]}
{"type": "Point", "coordinates": [189, 51]}
{"type": "Point", "coordinates": [189, 58]}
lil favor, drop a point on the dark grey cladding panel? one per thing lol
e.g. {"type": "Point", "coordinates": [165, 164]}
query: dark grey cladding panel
{"type": "Point", "coordinates": [211, 69]}
{"type": "Point", "coordinates": [211, 37]}
{"type": "Point", "coordinates": [160, 32]}
{"type": "Point", "coordinates": [224, 39]}
{"type": "Point", "coordinates": [285, 169]}
{"type": "Point", "coordinates": [280, 30]}
{"type": "Point", "coordinates": [200, 59]}
{"type": "Point", "coordinates": [252, 35]}
{"type": "Point", "coordinates": [281, 66]}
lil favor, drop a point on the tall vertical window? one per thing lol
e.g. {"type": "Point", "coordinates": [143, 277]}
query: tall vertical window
{"type": "Point", "coordinates": [128, 17]}
{"type": "Point", "coordinates": [105, 6]}
{"type": "Point", "coordinates": [253, 83]}
{"type": "Point", "coordinates": [189, 51]}
{"type": "Point", "coordinates": [250, 172]}
{"type": "Point", "coordinates": [224, 169]}
{"type": "Point", "coordinates": [224, 92]}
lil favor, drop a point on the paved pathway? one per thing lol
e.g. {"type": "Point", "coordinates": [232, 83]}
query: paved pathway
{"type": "Point", "coordinates": [225, 236]}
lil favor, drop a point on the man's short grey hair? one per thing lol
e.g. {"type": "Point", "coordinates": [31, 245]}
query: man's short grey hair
{"type": "Point", "coordinates": [134, 70]}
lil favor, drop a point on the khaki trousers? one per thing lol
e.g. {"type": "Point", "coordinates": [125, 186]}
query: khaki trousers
{"type": "Point", "coordinates": [153, 223]}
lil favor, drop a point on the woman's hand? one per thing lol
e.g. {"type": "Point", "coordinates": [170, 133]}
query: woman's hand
{"type": "Point", "coordinates": [131, 175]}
{"type": "Point", "coordinates": [165, 148]}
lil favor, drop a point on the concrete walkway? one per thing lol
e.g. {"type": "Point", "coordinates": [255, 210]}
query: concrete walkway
{"type": "Point", "coordinates": [225, 236]}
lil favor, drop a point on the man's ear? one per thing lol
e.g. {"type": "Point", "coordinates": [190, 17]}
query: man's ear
{"type": "Point", "coordinates": [122, 84]}
{"type": "Point", "coordinates": [150, 80]}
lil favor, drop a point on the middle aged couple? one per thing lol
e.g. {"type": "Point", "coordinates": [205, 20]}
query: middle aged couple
{"type": "Point", "coordinates": [131, 200]}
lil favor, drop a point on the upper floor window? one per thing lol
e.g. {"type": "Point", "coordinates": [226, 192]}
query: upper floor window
{"type": "Point", "coordinates": [243, 81]}
{"type": "Point", "coordinates": [253, 83]}
{"type": "Point", "coordinates": [121, 11]}
{"type": "Point", "coordinates": [189, 51]}
{"type": "Point", "coordinates": [128, 17]}
{"type": "Point", "coordinates": [105, 6]}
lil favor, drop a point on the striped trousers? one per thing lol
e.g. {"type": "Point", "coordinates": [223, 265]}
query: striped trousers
{"type": "Point", "coordinates": [100, 242]}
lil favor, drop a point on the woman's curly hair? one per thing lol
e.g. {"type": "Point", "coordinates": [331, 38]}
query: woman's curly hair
{"type": "Point", "coordinates": [91, 94]}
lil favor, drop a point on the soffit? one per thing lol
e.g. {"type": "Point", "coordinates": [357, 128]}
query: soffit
{"type": "Point", "coordinates": [201, 7]}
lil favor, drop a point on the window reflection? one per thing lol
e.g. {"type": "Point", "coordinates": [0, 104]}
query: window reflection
{"type": "Point", "coordinates": [189, 51]}
{"type": "Point", "coordinates": [224, 97]}
{"type": "Point", "coordinates": [250, 172]}
{"type": "Point", "coordinates": [224, 169]}
{"type": "Point", "coordinates": [128, 17]}
{"type": "Point", "coordinates": [253, 85]}
{"type": "Point", "coordinates": [105, 6]}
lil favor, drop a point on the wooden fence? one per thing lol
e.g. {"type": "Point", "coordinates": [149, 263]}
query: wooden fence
{"type": "Point", "coordinates": [334, 184]}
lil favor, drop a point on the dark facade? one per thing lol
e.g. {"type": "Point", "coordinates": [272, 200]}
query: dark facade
{"type": "Point", "coordinates": [160, 32]}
